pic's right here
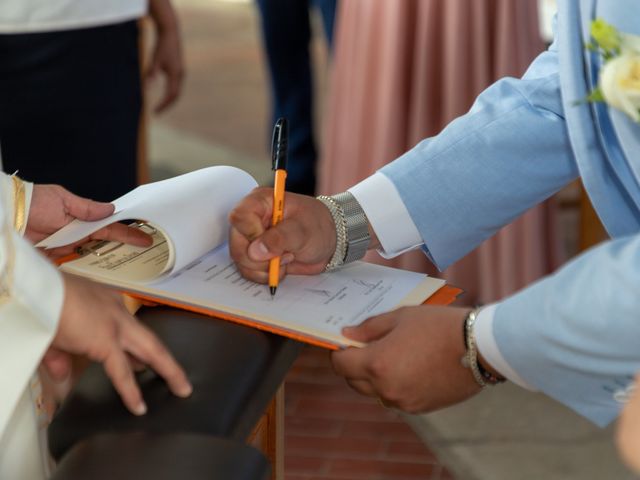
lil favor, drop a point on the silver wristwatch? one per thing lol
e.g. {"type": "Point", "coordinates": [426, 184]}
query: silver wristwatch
{"type": "Point", "coordinates": [352, 229]}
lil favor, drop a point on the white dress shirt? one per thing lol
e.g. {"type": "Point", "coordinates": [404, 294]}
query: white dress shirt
{"type": "Point", "coordinates": [397, 234]}
{"type": "Point", "coordinates": [29, 16]}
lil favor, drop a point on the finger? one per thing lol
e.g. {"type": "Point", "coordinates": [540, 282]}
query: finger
{"type": "Point", "coordinates": [352, 363]}
{"type": "Point", "coordinates": [238, 249]}
{"type": "Point", "coordinates": [363, 387]}
{"type": "Point", "coordinates": [258, 276]}
{"type": "Point", "coordinates": [252, 215]}
{"type": "Point", "coordinates": [287, 236]}
{"type": "Point", "coordinates": [57, 364]}
{"type": "Point", "coordinates": [119, 232]}
{"type": "Point", "coordinates": [172, 90]}
{"type": "Point", "coordinates": [136, 364]}
{"type": "Point", "coordinates": [84, 208]}
{"type": "Point", "coordinates": [372, 329]}
{"type": "Point", "coordinates": [153, 69]}
{"type": "Point", "coordinates": [117, 368]}
{"type": "Point", "coordinates": [145, 346]}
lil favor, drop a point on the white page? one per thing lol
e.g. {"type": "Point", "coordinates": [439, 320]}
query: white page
{"type": "Point", "coordinates": [191, 210]}
{"type": "Point", "coordinates": [318, 305]}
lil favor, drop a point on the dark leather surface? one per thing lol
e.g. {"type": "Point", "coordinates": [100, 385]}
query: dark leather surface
{"type": "Point", "coordinates": [143, 456]}
{"type": "Point", "coordinates": [235, 370]}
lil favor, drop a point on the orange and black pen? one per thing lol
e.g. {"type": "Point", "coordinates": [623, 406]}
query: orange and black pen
{"type": "Point", "coordinates": [279, 166]}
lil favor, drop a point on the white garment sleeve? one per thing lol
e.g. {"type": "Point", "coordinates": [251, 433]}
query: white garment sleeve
{"type": "Point", "coordinates": [31, 298]}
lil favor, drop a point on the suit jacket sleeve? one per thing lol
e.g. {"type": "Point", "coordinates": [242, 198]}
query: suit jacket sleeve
{"type": "Point", "coordinates": [574, 335]}
{"type": "Point", "coordinates": [31, 297]}
{"type": "Point", "coordinates": [508, 153]}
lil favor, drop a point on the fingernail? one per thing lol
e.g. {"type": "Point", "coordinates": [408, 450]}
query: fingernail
{"type": "Point", "coordinates": [286, 258]}
{"type": "Point", "coordinates": [186, 391]}
{"type": "Point", "coordinates": [258, 251]}
{"type": "Point", "coordinates": [140, 409]}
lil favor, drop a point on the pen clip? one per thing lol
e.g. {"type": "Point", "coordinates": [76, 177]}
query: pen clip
{"type": "Point", "coordinates": [280, 144]}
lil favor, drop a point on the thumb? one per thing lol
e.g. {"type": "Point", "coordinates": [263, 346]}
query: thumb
{"type": "Point", "coordinates": [287, 236]}
{"type": "Point", "coordinates": [372, 329]}
{"type": "Point", "coordinates": [85, 209]}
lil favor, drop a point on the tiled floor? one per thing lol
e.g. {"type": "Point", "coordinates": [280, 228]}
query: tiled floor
{"type": "Point", "coordinates": [332, 433]}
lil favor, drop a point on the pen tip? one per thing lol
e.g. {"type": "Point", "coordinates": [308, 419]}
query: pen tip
{"type": "Point", "coordinates": [273, 290]}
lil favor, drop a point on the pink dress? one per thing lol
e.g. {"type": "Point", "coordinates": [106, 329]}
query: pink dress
{"type": "Point", "coordinates": [403, 69]}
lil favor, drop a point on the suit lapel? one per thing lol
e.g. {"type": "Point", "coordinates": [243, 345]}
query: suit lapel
{"type": "Point", "coordinates": [610, 196]}
{"type": "Point", "coordinates": [625, 15]}
{"type": "Point", "coordinates": [627, 172]}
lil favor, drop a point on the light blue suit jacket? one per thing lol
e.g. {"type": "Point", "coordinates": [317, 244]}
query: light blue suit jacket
{"type": "Point", "coordinates": [574, 335]}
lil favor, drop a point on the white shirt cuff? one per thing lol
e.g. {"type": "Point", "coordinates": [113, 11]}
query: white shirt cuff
{"type": "Point", "coordinates": [387, 215]}
{"type": "Point", "coordinates": [488, 348]}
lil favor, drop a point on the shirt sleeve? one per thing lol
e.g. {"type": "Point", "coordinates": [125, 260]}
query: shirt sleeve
{"type": "Point", "coordinates": [388, 216]}
{"type": "Point", "coordinates": [508, 153]}
{"type": "Point", "coordinates": [574, 335]}
{"type": "Point", "coordinates": [31, 298]}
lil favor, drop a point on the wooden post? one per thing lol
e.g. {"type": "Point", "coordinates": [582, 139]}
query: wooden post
{"type": "Point", "coordinates": [591, 230]}
{"type": "Point", "coordinates": [143, 126]}
{"type": "Point", "coordinates": [268, 435]}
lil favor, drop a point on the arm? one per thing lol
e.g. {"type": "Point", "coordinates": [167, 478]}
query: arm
{"type": "Point", "coordinates": [38, 306]}
{"type": "Point", "coordinates": [167, 52]}
{"type": "Point", "coordinates": [510, 152]}
{"type": "Point", "coordinates": [574, 335]}
{"type": "Point", "coordinates": [29, 306]}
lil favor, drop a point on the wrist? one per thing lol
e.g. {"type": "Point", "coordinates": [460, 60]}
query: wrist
{"type": "Point", "coordinates": [163, 16]}
{"type": "Point", "coordinates": [352, 229]}
{"type": "Point", "coordinates": [483, 373]}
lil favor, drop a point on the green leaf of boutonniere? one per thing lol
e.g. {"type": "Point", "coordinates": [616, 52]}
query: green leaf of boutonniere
{"type": "Point", "coordinates": [606, 38]}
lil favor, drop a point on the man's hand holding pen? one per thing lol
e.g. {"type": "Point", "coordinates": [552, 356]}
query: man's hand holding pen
{"type": "Point", "coordinates": [279, 146]}
{"type": "Point", "coordinates": [304, 240]}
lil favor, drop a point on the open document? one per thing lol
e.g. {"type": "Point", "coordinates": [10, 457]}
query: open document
{"type": "Point", "coordinates": [200, 276]}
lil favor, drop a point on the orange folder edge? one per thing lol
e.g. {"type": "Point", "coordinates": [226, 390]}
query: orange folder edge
{"type": "Point", "coordinates": [443, 296]}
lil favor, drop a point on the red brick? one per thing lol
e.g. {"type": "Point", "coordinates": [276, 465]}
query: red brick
{"type": "Point", "coordinates": [302, 464]}
{"type": "Point", "coordinates": [325, 408]}
{"type": "Point", "coordinates": [333, 447]}
{"type": "Point", "coordinates": [319, 427]}
{"type": "Point", "coordinates": [381, 470]}
{"type": "Point", "coordinates": [316, 390]}
{"type": "Point", "coordinates": [314, 477]}
{"type": "Point", "coordinates": [321, 375]}
{"type": "Point", "coordinates": [409, 451]}
{"type": "Point", "coordinates": [323, 477]}
{"type": "Point", "coordinates": [389, 430]}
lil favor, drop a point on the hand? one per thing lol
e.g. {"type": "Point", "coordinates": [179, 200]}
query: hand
{"type": "Point", "coordinates": [413, 358]}
{"type": "Point", "coordinates": [95, 323]}
{"type": "Point", "coordinates": [52, 207]}
{"type": "Point", "coordinates": [628, 433]}
{"type": "Point", "coordinates": [305, 239]}
{"type": "Point", "coordinates": [167, 52]}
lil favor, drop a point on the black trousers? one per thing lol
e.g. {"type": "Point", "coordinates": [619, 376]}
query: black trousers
{"type": "Point", "coordinates": [286, 34]}
{"type": "Point", "coordinates": [70, 105]}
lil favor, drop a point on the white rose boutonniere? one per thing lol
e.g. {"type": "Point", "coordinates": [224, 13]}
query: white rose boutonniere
{"type": "Point", "coordinates": [619, 83]}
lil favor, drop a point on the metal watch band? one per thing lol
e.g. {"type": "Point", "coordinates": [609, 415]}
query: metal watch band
{"type": "Point", "coordinates": [357, 226]}
{"type": "Point", "coordinates": [470, 359]}
{"type": "Point", "coordinates": [337, 259]}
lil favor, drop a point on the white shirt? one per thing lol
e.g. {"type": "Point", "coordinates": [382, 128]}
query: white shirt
{"type": "Point", "coordinates": [29, 16]}
{"type": "Point", "coordinates": [397, 234]}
